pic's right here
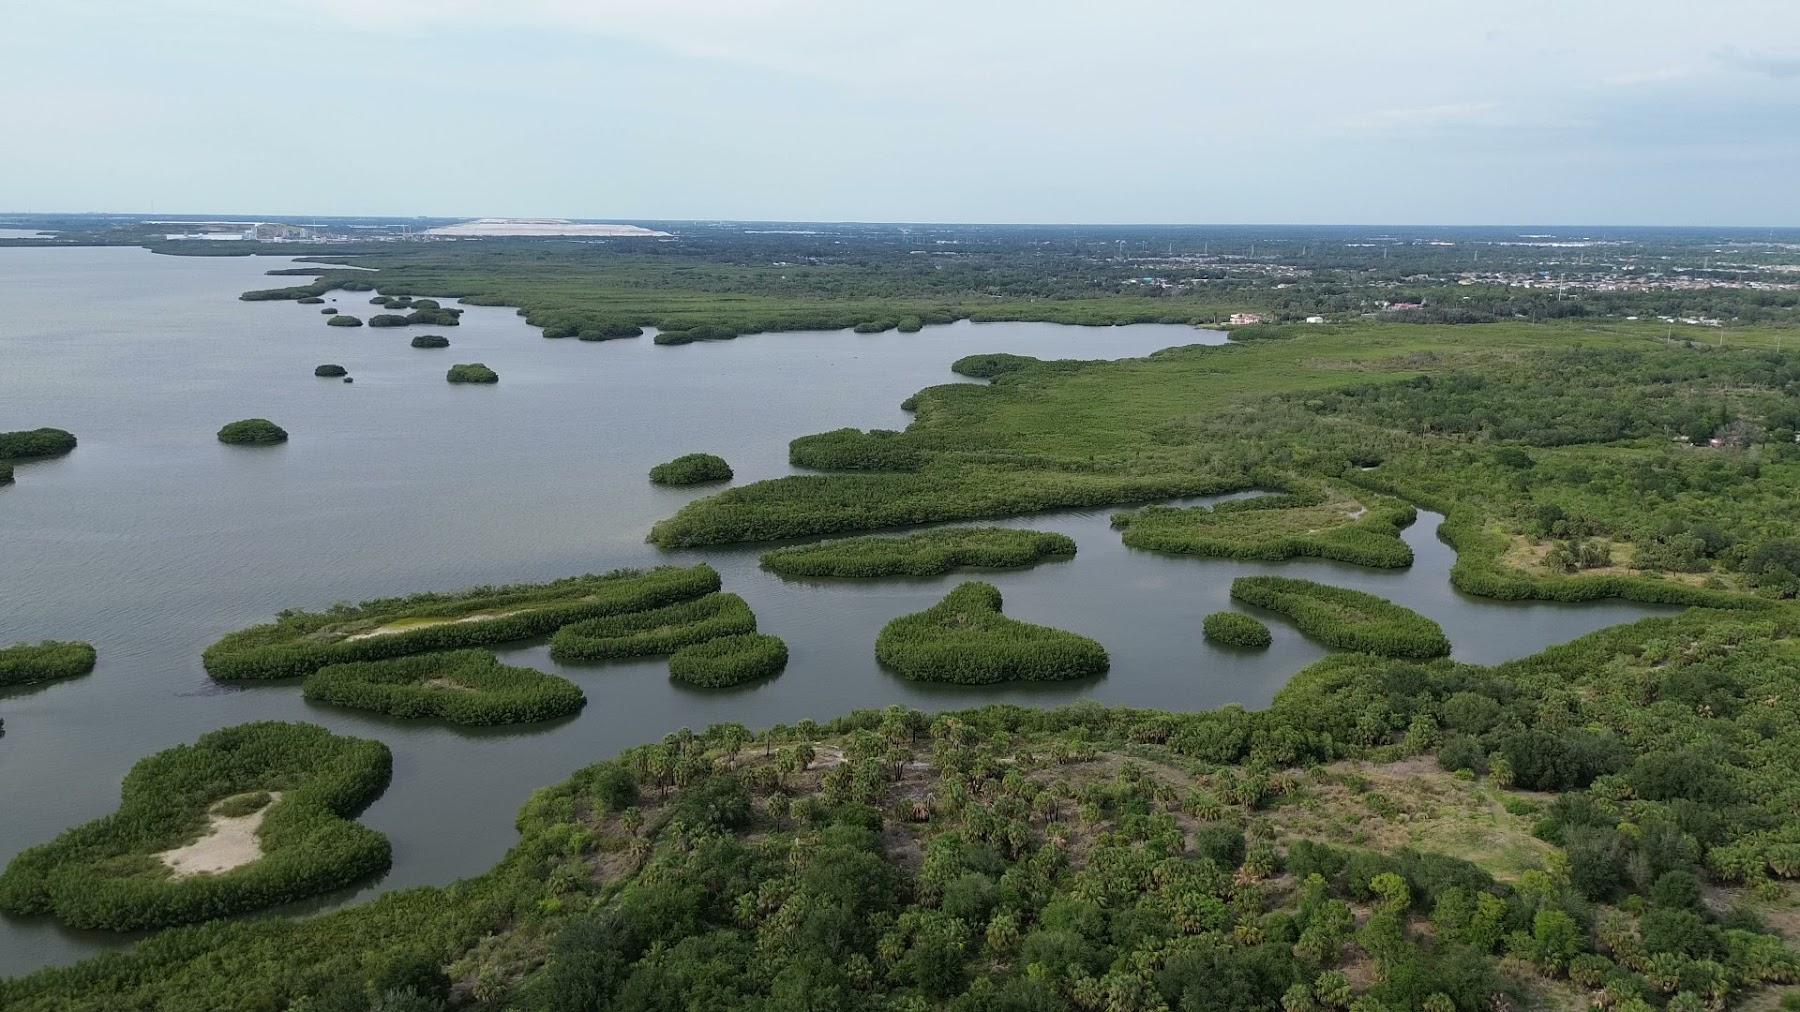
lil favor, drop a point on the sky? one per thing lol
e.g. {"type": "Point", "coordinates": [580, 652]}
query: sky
{"type": "Point", "coordinates": [1665, 112]}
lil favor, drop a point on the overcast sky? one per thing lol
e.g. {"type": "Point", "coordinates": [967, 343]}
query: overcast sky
{"type": "Point", "coordinates": [1314, 111]}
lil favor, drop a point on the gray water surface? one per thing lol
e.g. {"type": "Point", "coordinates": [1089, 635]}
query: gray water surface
{"type": "Point", "coordinates": [152, 540]}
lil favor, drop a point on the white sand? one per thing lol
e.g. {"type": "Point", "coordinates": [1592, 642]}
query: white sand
{"type": "Point", "coordinates": [230, 841]}
{"type": "Point", "coordinates": [540, 226]}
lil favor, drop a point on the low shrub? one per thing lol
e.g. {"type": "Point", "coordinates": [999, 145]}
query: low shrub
{"type": "Point", "coordinates": [387, 320]}
{"type": "Point", "coordinates": [106, 875]}
{"type": "Point", "coordinates": [330, 370]}
{"type": "Point", "coordinates": [299, 642]}
{"type": "Point", "coordinates": [457, 686]}
{"type": "Point", "coordinates": [310, 300]}
{"type": "Point", "coordinates": [6, 473]}
{"type": "Point", "coordinates": [24, 663]}
{"type": "Point", "coordinates": [328, 311]}
{"type": "Point", "coordinates": [931, 553]}
{"type": "Point", "coordinates": [653, 631]}
{"type": "Point", "coordinates": [472, 372]}
{"type": "Point", "coordinates": [729, 660]}
{"type": "Point", "coordinates": [691, 469]}
{"type": "Point", "coordinates": [964, 638]}
{"type": "Point", "coordinates": [1236, 630]}
{"type": "Point", "coordinates": [1345, 619]}
{"type": "Point", "coordinates": [253, 432]}
{"type": "Point", "coordinates": [28, 443]}
{"type": "Point", "coordinates": [431, 341]}
{"type": "Point", "coordinates": [343, 320]}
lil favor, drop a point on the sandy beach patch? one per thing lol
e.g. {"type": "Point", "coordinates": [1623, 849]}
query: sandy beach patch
{"type": "Point", "coordinates": [230, 841]}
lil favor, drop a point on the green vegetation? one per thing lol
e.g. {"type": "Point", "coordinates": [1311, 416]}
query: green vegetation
{"type": "Point", "coordinates": [729, 660]}
{"type": "Point", "coordinates": [32, 443]}
{"type": "Point", "coordinates": [431, 341]}
{"type": "Point", "coordinates": [310, 300]}
{"type": "Point", "coordinates": [6, 473]}
{"type": "Point", "coordinates": [1599, 498]}
{"type": "Point", "coordinates": [1345, 619]}
{"type": "Point", "coordinates": [1234, 629]}
{"type": "Point", "coordinates": [300, 642]}
{"type": "Point", "coordinates": [1307, 856]}
{"type": "Point", "coordinates": [458, 686]}
{"type": "Point", "coordinates": [387, 320]}
{"type": "Point", "coordinates": [119, 873]}
{"type": "Point", "coordinates": [855, 450]}
{"type": "Point", "coordinates": [24, 663]}
{"type": "Point", "coordinates": [435, 316]}
{"type": "Point", "coordinates": [330, 370]}
{"type": "Point", "coordinates": [342, 320]}
{"type": "Point", "coordinates": [927, 554]}
{"type": "Point", "coordinates": [652, 631]}
{"type": "Point", "coordinates": [1324, 523]}
{"type": "Point", "coordinates": [253, 432]}
{"type": "Point", "coordinates": [472, 372]}
{"type": "Point", "coordinates": [691, 469]}
{"type": "Point", "coordinates": [964, 638]}
{"type": "Point", "coordinates": [328, 311]}
{"type": "Point", "coordinates": [809, 505]}
{"type": "Point", "coordinates": [607, 332]}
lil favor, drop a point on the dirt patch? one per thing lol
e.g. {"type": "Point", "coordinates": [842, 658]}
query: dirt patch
{"type": "Point", "coordinates": [230, 842]}
{"type": "Point", "coordinates": [447, 684]}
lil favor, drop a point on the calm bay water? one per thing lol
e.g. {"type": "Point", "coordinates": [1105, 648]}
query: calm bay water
{"type": "Point", "coordinates": [151, 540]}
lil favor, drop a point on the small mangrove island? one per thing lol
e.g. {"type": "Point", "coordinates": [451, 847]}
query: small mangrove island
{"type": "Point", "coordinates": [652, 631]}
{"type": "Point", "coordinates": [28, 444]}
{"type": "Point", "coordinates": [343, 320]}
{"type": "Point", "coordinates": [301, 642]}
{"type": "Point", "coordinates": [931, 553]}
{"type": "Point", "coordinates": [253, 432]}
{"type": "Point", "coordinates": [1345, 619]}
{"type": "Point", "coordinates": [245, 818]}
{"type": "Point", "coordinates": [1320, 522]}
{"type": "Point", "coordinates": [458, 687]}
{"type": "Point", "coordinates": [729, 660]}
{"type": "Point", "coordinates": [964, 638]}
{"type": "Point", "coordinates": [431, 341]}
{"type": "Point", "coordinates": [1232, 629]}
{"type": "Point", "coordinates": [472, 372]}
{"type": "Point", "coordinates": [331, 371]}
{"type": "Point", "coordinates": [25, 663]}
{"type": "Point", "coordinates": [691, 469]}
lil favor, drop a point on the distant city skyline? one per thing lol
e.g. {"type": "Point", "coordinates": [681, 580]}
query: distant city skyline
{"type": "Point", "coordinates": [1604, 113]}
